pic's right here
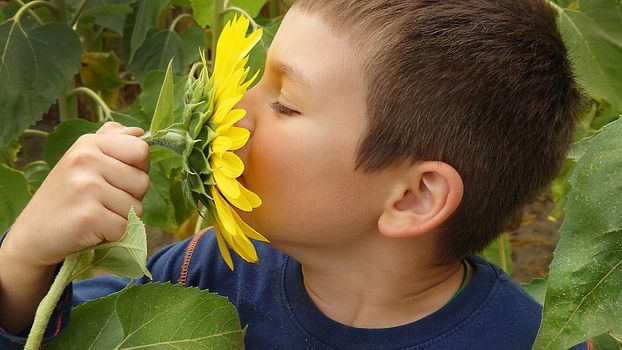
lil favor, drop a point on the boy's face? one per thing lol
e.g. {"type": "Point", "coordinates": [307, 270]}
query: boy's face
{"type": "Point", "coordinates": [306, 117]}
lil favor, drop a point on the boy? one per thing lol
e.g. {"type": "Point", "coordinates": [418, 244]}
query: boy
{"type": "Point", "coordinates": [390, 141]}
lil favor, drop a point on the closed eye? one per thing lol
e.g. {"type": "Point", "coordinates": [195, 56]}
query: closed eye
{"type": "Point", "coordinates": [279, 108]}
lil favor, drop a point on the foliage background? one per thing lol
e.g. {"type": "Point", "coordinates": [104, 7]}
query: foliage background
{"type": "Point", "coordinates": [66, 66]}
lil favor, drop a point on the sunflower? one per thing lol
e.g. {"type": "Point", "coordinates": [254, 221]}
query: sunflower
{"type": "Point", "coordinates": [210, 167]}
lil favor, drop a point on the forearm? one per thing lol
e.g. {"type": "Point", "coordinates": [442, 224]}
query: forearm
{"type": "Point", "coordinates": [22, 287]}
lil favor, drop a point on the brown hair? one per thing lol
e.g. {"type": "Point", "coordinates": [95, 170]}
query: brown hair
{"type": "Point", "coordinates": [485, 86]}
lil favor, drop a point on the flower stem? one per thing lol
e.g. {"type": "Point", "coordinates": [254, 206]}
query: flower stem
{"type": "Point", "coordinates": [172, 140]}
{"type": "Point", "coordinates": [45, 309]}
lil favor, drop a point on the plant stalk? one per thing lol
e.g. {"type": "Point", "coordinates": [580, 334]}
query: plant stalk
{"type": "Point", "coordinates": [254, 24]}
{"type": "Point", "coordinates": [28, 7]}
{"type": "Point", "coordinates": [177, 20]}
{"type": "Point", "coordinates": [45, 309]}
{"type": "Point", "coordinates": [275, 8]}
{"type": "Point", "coordinates": [95, 97]}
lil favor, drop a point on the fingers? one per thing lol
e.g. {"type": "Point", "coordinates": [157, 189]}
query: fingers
{"type": "Point", "coordinates": [120, 202]}
{"type": "Point", "coordinates": [125, 177]}
{"type": "Point", "coordinates": [116, 128]}
{"type": "Point", "coordinates": [111, 226]}
{"type": "Point", "coordinates": [127, 148]}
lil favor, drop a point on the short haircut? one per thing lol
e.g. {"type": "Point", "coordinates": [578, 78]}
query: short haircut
{"type": "Point", "coordinates": [483, 85]}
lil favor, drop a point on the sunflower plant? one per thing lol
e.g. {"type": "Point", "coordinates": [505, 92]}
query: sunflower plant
{"type": "Point", "coordinates": [205, 141]}
{"type": "Point", "coordinates": [207, 138]}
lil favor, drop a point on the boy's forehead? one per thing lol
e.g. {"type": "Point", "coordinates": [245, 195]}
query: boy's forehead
{"type": "Point", "coordinates": [307, 51]}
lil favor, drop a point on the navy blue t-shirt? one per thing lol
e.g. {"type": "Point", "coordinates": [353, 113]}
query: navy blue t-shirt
{"type": "Point", "coordinates": [492, 312]}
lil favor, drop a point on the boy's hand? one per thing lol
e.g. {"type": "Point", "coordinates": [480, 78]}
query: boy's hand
{"type": "Point", "coordinates": [85, 199]}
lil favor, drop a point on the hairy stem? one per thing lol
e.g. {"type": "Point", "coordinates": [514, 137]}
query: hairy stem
{"type": "Point", "coordinates": [45, 309]}
{"type": "Point", "coordinates": [172, 140]}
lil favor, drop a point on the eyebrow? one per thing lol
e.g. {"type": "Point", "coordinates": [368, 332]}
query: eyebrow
{"type": "Point", "coordinates": [289, 72]}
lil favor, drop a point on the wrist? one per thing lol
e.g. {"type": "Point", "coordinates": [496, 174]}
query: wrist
{"type": "Point", "coordinates": [14, 255]}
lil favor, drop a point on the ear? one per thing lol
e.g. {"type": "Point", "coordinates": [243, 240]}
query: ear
{"type": "Point", "coordinates": [427, 194]}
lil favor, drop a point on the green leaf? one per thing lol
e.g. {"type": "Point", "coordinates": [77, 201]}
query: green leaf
{"type": "Point", "coordinates": [583, 298]}
{"type": "Point", "coordinates": [202, 10]}
{"type": "Point", "coordinates": [64, 135]}
{"type": "Point", "coordinates": [127, 256]}
{"type": "Point", "coordinates": [109, 14]}
{"type": "Point", "coordinates": [147, 17]}
{"type": "Point", "coordinates": [8, 153]}
{"type": "Point", "coordinates": [163, 116]}
{"type": "Point", "coordinates": [499, 252]}
{"type": "Point", "coordinates": [35, 66]}
{"type": "Point", "coordinates": [536, 288]}
{"type": "Point", "coordinates": [156, 53]}
{"type": "Point", "coordinates": [99, 71]}
{"type": "Point", "coordinates": [154, 316]}
{"type": "Point", "coordinates": [257, 56]}
{"type": "Point", "coordinates": [129, 120]}
{"type": "Point", "coordinates": [14, 195]}
{"type": "Point", "coordinates": [593, 35]}
{"type": "Point", "coordinates": [35, 173]}
{"type": "Point", "coordinates": [158, 209]}
{"type": "Point", "coordinates": [152, 88]}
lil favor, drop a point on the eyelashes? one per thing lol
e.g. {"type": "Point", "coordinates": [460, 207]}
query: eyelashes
{"type": "Point", "coordinates": [279, 108]}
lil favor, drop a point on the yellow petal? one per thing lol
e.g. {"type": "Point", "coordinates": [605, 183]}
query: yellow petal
{"type": "Point", "coordinates": [232, 117]}
{"type": "Point", "coordinates": [229, 164]}
{"type": "Point", "coordinates": [223, 248]}
{"type": "Point", "coordinates": [229, 187]}
{"type": "Point", "coordinates": [241, 202]}
{"type": "Point", "coordinates": [221, 144]}
{"type": "Point", "coordinates": [224, 107]}
{"type": "Point", "coordinates": [224, 214]}
{"type": "Point", "coordinates": [248, 231]}
{"type": "Point", "coordinates": [252, 198]}
{"type": "Point", "coordinates": [237, 136]}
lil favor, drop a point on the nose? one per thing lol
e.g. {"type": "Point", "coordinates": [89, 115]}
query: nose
{"type": "Point", "coordinates": [248, 122]}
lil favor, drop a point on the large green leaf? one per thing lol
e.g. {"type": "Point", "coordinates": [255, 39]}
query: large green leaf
{"type": "Point", "coordinates": [593, 35]}
{"type": "Point", "coordinates": [160, 48]}
{"type": "Point", "coordinates": [536, 288]}
{"type": "Point", "coordinates": [64, 135]}
{"type": "Point", "coordinates": [35, 67]}
{"type": "Point", "coordinates": [14, 195]}
{"type": "Point", "coordinates": [202, 10]}
{"type": "Point", "coordinates": [257, 56]}
{"type": "Point", "coordinates": [158, 208]}
{"type": "Point", "coordinates": [583, 297]}
{"type": "Point", "coordinates": [154, 316]}
{"type": "Point", "coordinates": [146, 17]}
